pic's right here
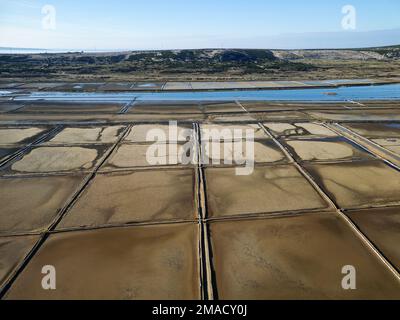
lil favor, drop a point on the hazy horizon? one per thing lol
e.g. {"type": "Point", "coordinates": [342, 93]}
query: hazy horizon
{"type": "Point", "coordinates": [177, 24]}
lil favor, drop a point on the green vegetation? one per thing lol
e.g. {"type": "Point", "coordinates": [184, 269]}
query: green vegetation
{"type": "Point", "coordinates": [213, 64]}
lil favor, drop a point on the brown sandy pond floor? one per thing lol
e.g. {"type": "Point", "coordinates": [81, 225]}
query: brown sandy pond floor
{"type": "Point", "coordinates": [14, 140]}
{"type": "Point", "coordinates": [144, 262]}
{"type": "Point", "coordinates": [19, 135]}
{"type": "Point", "coordinates": [264, 151]}
{"type": "Point", "coordinates": [159, 132]}
{"type": "Point", "coordinates": [292, 130]}
{"type": "Point", "coordinates": [268, 189]}
{"type": "Point", "coordinates": [298, 257]}
{"type": "Point", "coordinates": [358, 184]}
{"type": "Point", "coordinates": [129, 155]}
{"type": "Point", "coordinates": [215, 132]}
{"type": "Point", "coordinates": [69, 108]}
{"type": "Point", "coordinates": [87, 135]}
{"type": "Point", "coordinates": [381, 226]}
{"type": "Point", "coordinates": [59, 159]}
{"type": "Point", "coordinates": [150, 107]}
{"type": "Point", "coordinates": [12, 253]}
{"type": "Point", "coordinates": [386, 135]}
{"type": "Point", "coordinates": [221, 107]}
{"type": "Point", "coordinates": [78, 192]}
{"type": "Point", "coordinates": [31, 203]}
{"type": "Point", "coordinates": [123, 197]}
{"type": "Point", "coordinates": [325, 149]}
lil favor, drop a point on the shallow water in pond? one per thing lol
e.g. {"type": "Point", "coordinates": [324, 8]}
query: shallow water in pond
{"type": "Point", "coordinates": [381, 92]}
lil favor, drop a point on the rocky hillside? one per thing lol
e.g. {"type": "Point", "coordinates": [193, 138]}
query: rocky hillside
{"type": "Point", "coordinates": [161, 62]}
{"type": "Point", "coordinates": [213, 64]}
{"type": "Point", "coordinates": [382, 53]}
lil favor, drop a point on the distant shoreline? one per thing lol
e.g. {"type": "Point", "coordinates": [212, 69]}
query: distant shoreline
{"type": "Point", "coordinates": [11, 50]}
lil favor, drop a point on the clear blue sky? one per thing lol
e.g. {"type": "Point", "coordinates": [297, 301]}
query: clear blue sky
{"type": "Point", "coordinates": [97, 24]}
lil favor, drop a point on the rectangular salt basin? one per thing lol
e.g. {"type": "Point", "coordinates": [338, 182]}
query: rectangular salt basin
{"type": "Point", "coordinates": [282, 129]}
{"type": "Point", "coordinates": [31, 204]}
{"type": "Point", "coordinates": [241, 152]}
{"type": "Point", "coordinates": [19, 135]}
{"type": "Point", "coordinates": [217, 132]}
{"type": "Point", "coordinates": [160, 133]}
{"type": "Point", "coordinates": [13, 251]}
{"type": "Point", "coordinates": [149, 155]}
{"type": "Point", "coordinates": [295, 257]}
{"type": "Point", "coordinates": [146, 262]}
{"type": "Point", "coordinates": [268, 189]}
{"type": "Point", "coordinates": [119, 198]}
{"type": "Point", "coordinates": [381, 226]}
{"type": "Point", "coordinates": [59, 159]}
{"type": "Point", "coordinates": [326, 149]}
{"type": "Point", "coordinates": [358, 184]}
{"type": "Point", "coordinates": [86, 135]}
